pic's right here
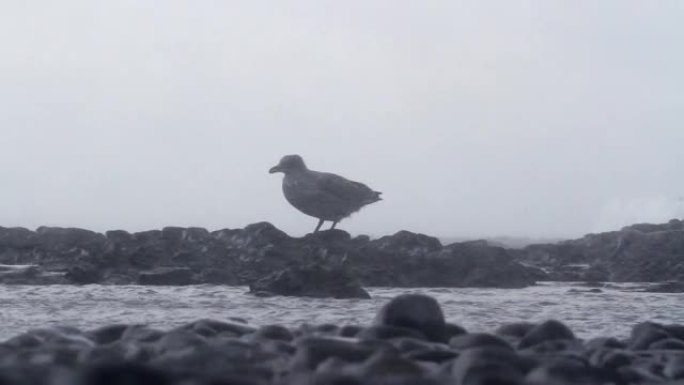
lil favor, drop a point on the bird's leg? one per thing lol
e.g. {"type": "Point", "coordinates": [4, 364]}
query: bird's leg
{"type": "Point", "coordinates": [320, 223]}
{"type": "Point", "coordinates": [333, 225]}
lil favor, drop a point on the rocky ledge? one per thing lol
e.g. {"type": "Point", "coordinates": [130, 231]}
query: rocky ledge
{"type": "Point", "coordinates": [184, 256]}
{"type": "Point", "coordinates": [410, 342]}
{"type": "Point", "coordinates": [637, 253]}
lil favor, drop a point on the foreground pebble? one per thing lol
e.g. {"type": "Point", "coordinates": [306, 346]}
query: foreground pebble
{"type": "Point", "coordinates": [410, 342]}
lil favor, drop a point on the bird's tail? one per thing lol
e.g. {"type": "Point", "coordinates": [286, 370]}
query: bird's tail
{"type": "Point", "coordinates": [376, 196]}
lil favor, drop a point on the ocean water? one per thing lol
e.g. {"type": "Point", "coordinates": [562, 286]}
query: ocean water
{"type": "Point", "coordinates": [610, 313]}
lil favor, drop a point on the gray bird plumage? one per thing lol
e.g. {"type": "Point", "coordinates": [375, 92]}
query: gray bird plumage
{"type": "Point", "coordinates": [322, 195]}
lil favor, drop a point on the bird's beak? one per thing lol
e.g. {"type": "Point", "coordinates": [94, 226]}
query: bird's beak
{"type": "Point", "coordinates": [274, 169]}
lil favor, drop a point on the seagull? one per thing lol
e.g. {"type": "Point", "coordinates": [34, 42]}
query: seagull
{"type": "Point", "coordinates": [322, 195]}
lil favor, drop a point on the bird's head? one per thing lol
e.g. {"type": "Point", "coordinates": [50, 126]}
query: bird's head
{"type": "Point", "coordinates": [288, 164]}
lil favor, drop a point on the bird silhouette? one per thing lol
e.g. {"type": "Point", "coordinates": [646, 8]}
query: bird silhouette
{"type": "Point", "coordinates": [322, 195]}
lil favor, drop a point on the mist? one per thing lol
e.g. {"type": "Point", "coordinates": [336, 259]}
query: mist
{"type": "Point", "coordinates": [536, 119]}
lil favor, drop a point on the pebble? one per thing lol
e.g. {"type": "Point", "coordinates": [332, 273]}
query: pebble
{"type": "Point", "coordinates": [409, 342]}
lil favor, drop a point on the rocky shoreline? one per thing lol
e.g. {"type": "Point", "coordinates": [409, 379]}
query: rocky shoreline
{"type": "Point", "coordinates": [185, 256]}
{"type": "Point", "coordinates": [409, 342]}
{"type": "Point", "coordinates": [637, 253]}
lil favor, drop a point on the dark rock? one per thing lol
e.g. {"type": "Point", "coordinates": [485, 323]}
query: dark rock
{"type": "Point", "coordinates": [311, 351]}
{"type": "Point", "coordinates": [453, 330]}
{"type": "Point", "coordinates": [473, 340]}
{"type": "Point", "coordinates": [236, 329]}
{"type": "Point", "coordinates": [408, 242]}
{"type": "Point", "coordinates": [177, 340]}
{"type": "Point", "coordinates": [605, 343]}
{"type": "Point", "coordinates": [566, 374]}
{"type": "Point", "coordinates": [546, 331]}
{"type": "Point", "coordinates": [242, 256]}
{"type": "Point", "coordinates": [311, 281]}
{"type": "Point", "coordinates": [388, 363]}
{"type": "Point", "coordinates": [275, 332]}
{"type": "Point", "coordinates": [436, 356]}
{"type": "Point", "coordinates": [408, 344]}
{"type": "Point", "coordinates": [612, 359]}
{"type": "Point", "coordinates": [645, 334]}
{"type": "Point", "coordinates": [264, 232]}
{"type": "Point", "coordinates": [414, 311]}
{"type": "Point", "coordinates": [666, 287]}
{"type": "Point", "coordinates": [17, 238]}
{"type": "Point", "coordinates": [107, 334]}
{"type": "Point", "coordinates": [141, 333]}
{"type": "Point", "coordinates": [516, 329]}
{"type": "Point", "coordinates": [329, 236]}
{"type": "Point", "coordinates": [675, 330]}
{"type": "Point", "coordinates": [382, 332]}
{"type": "Point", "coordinates": [84, 274]}
{"type": "Point", "coordinates": [124, 374]}
{"type": "Point", "coordinates": [674, 368]}
{"type": "Point", "coordinates": [667, 344]}
{"type": "Point", "coordinates": [350, 330]}
{"type": "Point", "coordinates": [176, 276]}
{"type": "Point", "coordinates": [638, 253]}
{"type": "Point", "coordinates": [219, 358]}
{"type": "Point", "coordinates": [481, 366]}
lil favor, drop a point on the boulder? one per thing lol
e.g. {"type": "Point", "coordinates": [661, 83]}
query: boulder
{"type": "Point", "coordinates": [637, 253]}
{"type": "Point", "coordinates": [414, 311]}
{"type": "Point", "coordinates": [310, 281]}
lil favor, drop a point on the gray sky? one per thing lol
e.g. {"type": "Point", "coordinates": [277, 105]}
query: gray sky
{"type": "Point", "coordinates": [479, 118]}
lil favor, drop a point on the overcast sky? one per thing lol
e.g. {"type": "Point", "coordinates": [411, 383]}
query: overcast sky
{"type": "Point", "coordinates": [478, 118]}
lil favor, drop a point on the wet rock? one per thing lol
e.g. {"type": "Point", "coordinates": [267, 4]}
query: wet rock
{"type": "Point", "coordinates": [546, 331]}
{"type": "Point", "coordinates": [123, 374]}
{"type": "Point", "coordinates": [219, 358]}
{"type": "Point", "coordinates": [408, 242]}
{"type": "Point", "coordinates": [666, 287]}
{"type": "Point", "coordinates": [214, 327]}
{"type": "Point", "coordinates": [382, 332]}
{"type": "Point", "coordinates": [177, 340]}
{"type": "Point", "coordinates": [310, 281]}
{"type": "Point", "coordinates": [612, 359]}
{"type": "Point", "coordinates": [667, 344]}
{"type": "Point", "coordinates": [414, 311]}
{"type": "Point", "coordinates": [388, 363]}
{"type": "Point", "coordinates": [167, 276]}
{"type": "Point", "coordinates": [515, 329]}
{"type": "Point", "coordinates": [605, 343]}
{"type": "Point", "coordinates": [453, 330]}
{"type": "Point", "coordinates": [436, 356]}
{"type": "Point", "coordinates": [645, 334]}
{"type": "Point", "coordinates": [474, 340]}
{"type": "Point", "coordinates": [481, 366]}
{"type": "Point", "coordinates": [674, 368]}
{"type": "Point", "coordinates": [242, 256]}
{"type": "Point", "coordinates": [107, 334]}
{"type": "Point", "coordinates": [232, 352]}
{"type": "Point", "coordinates": [311, 351]}
{"type": "Point", "coordinates": [141, 333]}
{"type": "Point", "coordinates": [566, 374]}
{"type": "Point", "coordinates": [328, 237]}
{"type": "Point", "coordinates": [84, 274]}
{"type": "Point", "coordinates": [275, 332]}
{"type": "Point", "coordinates": [17, 238]}
{"type": "Point", "coordinates": [350, 330]}
{"type": "Point", "coordinates": [638, 253]}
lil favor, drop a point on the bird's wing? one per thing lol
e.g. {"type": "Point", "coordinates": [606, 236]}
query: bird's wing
{"type": "Point", "coordinates": [343, 188]}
